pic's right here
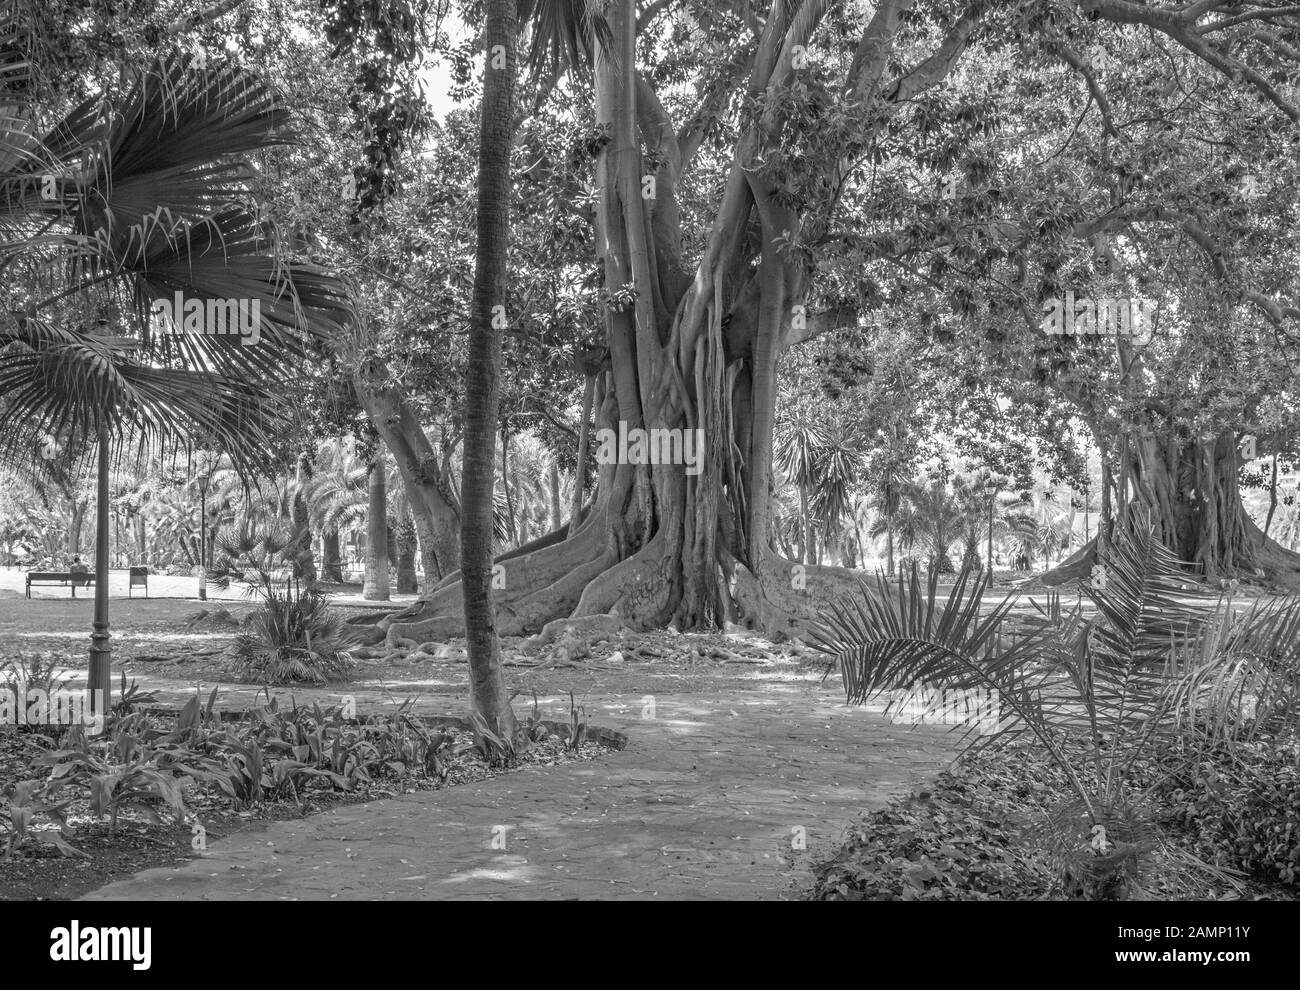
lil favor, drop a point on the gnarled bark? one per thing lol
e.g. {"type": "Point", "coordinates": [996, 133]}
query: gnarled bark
{"type": "Point", "coordinates": [691, 351]}
{"type": "Point", "coordinates": [1189, 490]}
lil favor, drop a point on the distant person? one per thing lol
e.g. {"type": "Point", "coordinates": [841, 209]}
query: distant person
{"type": "Point", "coordinates": [78, 566]}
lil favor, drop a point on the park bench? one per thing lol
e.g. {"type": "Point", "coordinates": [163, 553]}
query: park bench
{"type": "Point", "coordinates": [139, 579]}
{"type": "Point", "coordinates": [77, 579]}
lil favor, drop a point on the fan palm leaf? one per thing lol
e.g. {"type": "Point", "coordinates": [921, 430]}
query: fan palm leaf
{"type": "Point", "coordinates": [152, 199]}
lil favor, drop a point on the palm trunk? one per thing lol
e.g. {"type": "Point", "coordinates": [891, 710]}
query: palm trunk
{"type": "Point", "coordinates": [333, 557]}
{"type": "Point", "coordinates": [483, 371]}
{"type": "Point", "coordinates": [302, 526]}
{"type": "Point", "coordinates": [375, 588]}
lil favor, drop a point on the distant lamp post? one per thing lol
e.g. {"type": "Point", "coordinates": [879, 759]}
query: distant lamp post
{"type": "Point", "coordinates": [203, 481]}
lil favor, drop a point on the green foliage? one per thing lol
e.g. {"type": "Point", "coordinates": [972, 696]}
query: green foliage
{"type": "Point", "coordinates": [130, 698]}
{"type": "Point", "coordinates": [959, 840]}
{"type": "Point", "coordinates": [493, 748]}
{"type": "Point", "coordinates": [278, 752]}
{"type": "Point", "coordinates": [129, 767]}
{"type": "Point", "coordinates": [1097, 694]}
{"type": "Point", "coordinates": [1243, 811]}
{"type": "Point", "coordinates": [21, 804]}
{"type": "Point", "coordinates": [294, 636]}
{"type": "Point", "coordinates": [577, 725]}
{"type": "Point", "coordinates": [43, 672]}
{"type": "Point", "coordinates": [149, 198]}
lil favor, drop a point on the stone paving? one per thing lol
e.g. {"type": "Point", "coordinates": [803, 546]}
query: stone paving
{"type": "Point", "coordinates": [721, 796]}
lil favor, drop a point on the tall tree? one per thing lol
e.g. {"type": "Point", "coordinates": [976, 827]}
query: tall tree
{"type": "Point", "coordinates": [483, 372]}
{"type": "Point", "coordinates": [702, 294]}
{"type": "Point", "coordinates": [376, 576]}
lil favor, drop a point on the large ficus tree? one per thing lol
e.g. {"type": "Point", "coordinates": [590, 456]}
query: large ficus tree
{"type": "Point", "coordinates": [696, 319]}
{"type": "Point", "coordinates": [1147, 177]}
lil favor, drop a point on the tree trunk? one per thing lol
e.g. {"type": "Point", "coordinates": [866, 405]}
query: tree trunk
{"type": "Point", "coordinates": [302, 526]}
{"type": "Point", "coordinates": [375, 588]}
{"type": "Point", "coordinates": [512, 531]}
{"type": "Point", "coordinates": [553, 483]}
{"type": "Point", "coordinates": [406, 545]}
{"type": "Point", "coordinates": [806, 519]}
{"type": "Point", "coordinates": [76, 523]}
{"type": "Point", "coordinates": [584, 443]}
{"type": "Point", "coordinates": [992, 501]}
{"type": "Point", "coordinates": [428, 486]}
{"type": "Point", "coordinates": [692, 354]}
{"type": "Point", "coordinates": [332, 557]}
{"type": "Point", "coordinates": [483, 370]}
{"type": "Point", "coordinates": [1187, 489]}
{"type": "Point", "coordinates": [1272, 496]}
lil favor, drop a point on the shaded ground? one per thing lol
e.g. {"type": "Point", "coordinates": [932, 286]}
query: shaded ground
{"type": "Point", "coordinates": [742, 765]}
{"type": "Point", "coordinates": [727, 796]}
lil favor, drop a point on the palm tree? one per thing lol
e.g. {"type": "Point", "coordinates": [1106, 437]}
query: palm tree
{"type": "Point", "coordinates": [890, 482]}
{"type": "Point", "coordinates": [336, 495]}
{"type": "Point", "coordinates": [798, 451]}
{"type": "Point", "coordinates": [482, 373]}
{"type": "Point", "coordinates": [121, 204]}
{"type": "Point", "coordinates": [839, 465]}
{"type": "Point", "coordinates": [939, 517]}
{"type": "Point", "coordinates": [1033, 534]}
{"type": "Point", "coordinates": [977, 491]}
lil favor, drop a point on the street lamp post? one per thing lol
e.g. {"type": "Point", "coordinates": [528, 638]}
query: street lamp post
{"type": "Point", "coordinates": [99, 683]}
{"type": "Point", "coordinates": [203, 537]}
{"type": "Point", "coordinates": [99, 680]}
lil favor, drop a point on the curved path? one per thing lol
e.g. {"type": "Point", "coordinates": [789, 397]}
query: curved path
{"type": "Point", "coordinates": [710, 800]}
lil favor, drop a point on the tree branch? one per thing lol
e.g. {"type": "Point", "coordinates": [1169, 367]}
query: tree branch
{"type": "Point", "coordinates": [937, 66]}
{"type": "Point", "coordinates": [1076, 61]}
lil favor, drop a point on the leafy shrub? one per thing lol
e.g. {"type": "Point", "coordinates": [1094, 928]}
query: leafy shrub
{"type": "Point", "coordinates": [1157, 663]}
{"type": "Point", "coordinates": [121, 770]}
{"type": "Point", "coordinates": [954, 842]}
{"type": "Point", "coordinates": [23, 679]}
{"type": "Point", "coordinates": [1243, 814]}
{"type": "Point", "coordinates": [44, 673]}
{"type": "Point", "coordinates": [20, 805]}
{"type": "Point", "coordinates": [278, 752]}
{"type": "Point", "coordinates": [294, 636]}
{"type": "Point", "coordinates": [493, 748]}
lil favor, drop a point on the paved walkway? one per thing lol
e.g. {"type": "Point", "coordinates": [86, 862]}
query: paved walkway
{"type": "Point", "coordinates": [710, 800]}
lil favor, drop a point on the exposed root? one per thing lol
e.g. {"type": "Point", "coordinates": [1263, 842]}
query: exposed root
{"type": "Point", "coordinates": [1076, 567]}
{"type": "Point", "coordinates": [537, 587]}
{"type": "Point", "coordinates": [786, 598]}
{"type": "Point", "coordinates": [1277, 565]}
